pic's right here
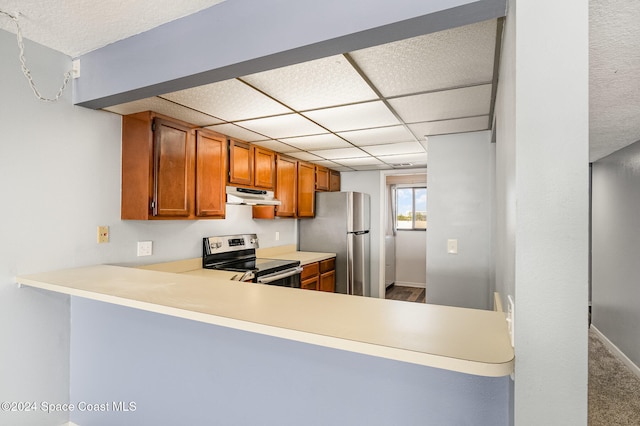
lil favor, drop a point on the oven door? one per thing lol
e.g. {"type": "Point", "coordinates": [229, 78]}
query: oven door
{"type": "Point", "coordinates": [286, 278]}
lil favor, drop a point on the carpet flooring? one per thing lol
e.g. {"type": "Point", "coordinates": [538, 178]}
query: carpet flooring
{"type": "Point", "coordinates": [614, 391]}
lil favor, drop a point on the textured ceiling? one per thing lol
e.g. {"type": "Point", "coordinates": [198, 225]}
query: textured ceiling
{"type": "Point", "coordinates": [363, 110]}
{"type": "Point", "coordinates": [75, 27]}
{"type": "Point", "coordinates": [614, 75]}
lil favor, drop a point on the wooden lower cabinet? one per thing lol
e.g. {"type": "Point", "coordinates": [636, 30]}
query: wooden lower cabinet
{"type": "Point", "coordinates": [309, 276]}
{"type": "Point", "coordinates": [319, 276]}
{"type": "Point", "coordinates": [327, 275]}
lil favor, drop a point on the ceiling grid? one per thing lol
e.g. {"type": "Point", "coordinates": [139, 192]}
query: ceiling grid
{"type": "Point", "coordinates": [363, 110]}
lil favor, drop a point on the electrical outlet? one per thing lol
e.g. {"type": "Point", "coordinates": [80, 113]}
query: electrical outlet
{"type": "Point", "coordinates": [277, 236]}
{"type": "Point", "coordinates": [145, 248]}
{"type": "Point", "coordinates": [103, 234]}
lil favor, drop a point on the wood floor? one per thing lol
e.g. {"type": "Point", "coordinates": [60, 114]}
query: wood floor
{"type": "Point", "coordinates": [407, 294]}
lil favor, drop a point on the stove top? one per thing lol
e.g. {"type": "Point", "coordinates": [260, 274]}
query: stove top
{"type": "Point", "coordinates": [238, 253]}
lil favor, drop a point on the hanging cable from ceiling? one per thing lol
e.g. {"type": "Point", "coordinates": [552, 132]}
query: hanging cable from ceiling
{"type": "Point", "coordinates": [25, 69]}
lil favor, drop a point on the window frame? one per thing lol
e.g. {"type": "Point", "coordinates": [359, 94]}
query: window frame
{"type": "Point", "coordinates": [413, 188]}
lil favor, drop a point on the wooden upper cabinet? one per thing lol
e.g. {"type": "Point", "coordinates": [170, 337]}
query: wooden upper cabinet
{"type": "Point", "coordinates": [322, 178]}
{"type": "Point", "coordinates": [170, 170]}
{"type": "Point", "coordinates": [157, 167]}
{"type": "Point", "coordinates": [306, 190]}
{"type": "Point", "coordinates": [211, 165]}
{"type": "Point", "coordinates": [240, 163]}
{"type": "Point", "coordinates": [334, 181]}
{"type": "Point", "coordinates": [264, 168]}
{"type": "Point", "coordinates": [286, 186]}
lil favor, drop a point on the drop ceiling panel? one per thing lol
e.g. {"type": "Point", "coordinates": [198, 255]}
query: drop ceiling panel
{"type": "Point", "coordinates": [165, 107]}
{"type": "Point", "coordinates": [372, 167]}
{"type": "Point", "coordinates": [283, 126]}
{"type": "Point", "coordinates": [360, 161]}
{"type": "Point", "coordinates": [310, 143]}
{"type": "Point", "coordinates": [333, 154]}
{"type": "Point", "coordinates": [353, 117]}
{"type": "Point", "coordinates": [305, 156]}
{"type": "Point", "coordinates": [277, 146]}
{"type": "Point", "coordinates": [395, 148]}
{"type": "Point", "coordinates": [237, 132]}
{"type": "Point", "coordinates": [316, 84]}
{"type": "Point", "coordinates": [415, 159]}
{"type": "Point", "coordinates": [460, 125]}
{"type": "Point", "coordinates": [327, 163]}
{"type": "Point", "coordinates": [380, 135]}
{"type": "Point", "coordinates": [230, 100]}
{"type": "Point", "coordinates": [456, 57]}
{"type": "Point", "coordinates": [457, 103]}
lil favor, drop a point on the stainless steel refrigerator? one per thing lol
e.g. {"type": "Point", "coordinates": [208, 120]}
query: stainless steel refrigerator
{"type": "Point", "coordinates": [341, 226]}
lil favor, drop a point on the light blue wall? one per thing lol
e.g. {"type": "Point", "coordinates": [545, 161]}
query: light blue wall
{"type": "Point", "coordinates": [616, 243]}
{"type": "Point", "coordinates": [181, 372]}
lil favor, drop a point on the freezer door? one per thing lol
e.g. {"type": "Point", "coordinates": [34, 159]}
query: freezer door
{"type": "Point", "coordinates": [358, 212]}
{"type": "Point", "coordinates": [358, 282]}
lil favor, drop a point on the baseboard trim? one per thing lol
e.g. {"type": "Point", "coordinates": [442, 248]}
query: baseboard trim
{"type": "Point", "coordinates": [617, 352]}
{"type": "Point", "coordinates": [408, 284]}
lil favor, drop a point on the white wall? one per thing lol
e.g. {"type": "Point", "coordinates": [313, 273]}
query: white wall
{"type": "Point", "coordinates": [411, 255]}
{"type": "Point", "coordinates": [459, 206]}
{"type": "Point", "coordinates": [542, 205]}
{"type": "Point", "coordinates": [61, 179]}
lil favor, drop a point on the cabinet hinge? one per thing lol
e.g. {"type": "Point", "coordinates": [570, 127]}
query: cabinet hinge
{"type": "Point", "coordinates": [153, 205]}
{"type": "Point", "coordinates": [153, 126]}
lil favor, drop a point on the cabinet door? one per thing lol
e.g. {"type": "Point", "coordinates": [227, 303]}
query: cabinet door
{"type": "Point", "coordinates": [286, 186]}
{"type": "Point", "coordinates": [322, 178]}
{"type": "Point", "coordinates": [310, 284]}
{"type": "Point", "coordinates": [264, 168]}
{"type": "Point", "coordinates": [306, 190]}
{"type": "Point", "coordinates": [240, 163]}
{"type": "Point", "coordinates": [328, 282]}
{"type": "Point", "coordinates": [172, 169]}
{"type": "Point", "coordinates": [211, 159]}
{"type": "Point", "coordinates": [327, 275]}
{"type": "Point", "coordinates": [334, 181]}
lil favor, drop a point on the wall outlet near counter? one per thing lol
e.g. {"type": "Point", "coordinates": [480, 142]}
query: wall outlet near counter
{"type": "Point", "coordinates": [145, 248]}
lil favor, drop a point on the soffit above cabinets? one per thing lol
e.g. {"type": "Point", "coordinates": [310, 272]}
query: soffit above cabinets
{"type": "Point", "coordinates": [365, 110]}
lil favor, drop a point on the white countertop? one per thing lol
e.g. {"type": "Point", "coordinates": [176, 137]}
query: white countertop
{"type": "Point", "coordinates": [457, 339]}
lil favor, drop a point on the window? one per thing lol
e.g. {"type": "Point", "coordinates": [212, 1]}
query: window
{"type": "Point", "coordinates": [411, 208]}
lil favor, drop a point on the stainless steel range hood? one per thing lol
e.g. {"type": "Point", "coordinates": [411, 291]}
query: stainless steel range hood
{"type": "Point", "coordinates": [251, 197]}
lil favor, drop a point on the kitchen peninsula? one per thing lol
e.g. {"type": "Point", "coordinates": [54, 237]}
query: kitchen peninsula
{"type": "Point", "coordinates": [456, 339]}
{"type": "Point", "coordinates": [190, 346]}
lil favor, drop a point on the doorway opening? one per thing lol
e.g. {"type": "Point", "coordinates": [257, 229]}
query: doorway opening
{"type": "Point", "coordinates": [403, 271]}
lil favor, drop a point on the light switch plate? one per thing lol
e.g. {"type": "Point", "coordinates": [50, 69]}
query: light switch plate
{"type": "Point", "coordinates": [452, 246]}
{"type": "Point", "coordinates": [145, 248]}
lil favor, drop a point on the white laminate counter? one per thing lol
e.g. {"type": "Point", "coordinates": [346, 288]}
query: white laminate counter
{"type": "Point", "coordinates": [457, 339]}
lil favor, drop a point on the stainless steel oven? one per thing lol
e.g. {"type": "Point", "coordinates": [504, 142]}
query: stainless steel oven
{"type": "Point", "coordinates": [237, 253]}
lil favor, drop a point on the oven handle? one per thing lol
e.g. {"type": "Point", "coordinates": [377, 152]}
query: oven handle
{"type": "Point", "coordinates": [278, 276]}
